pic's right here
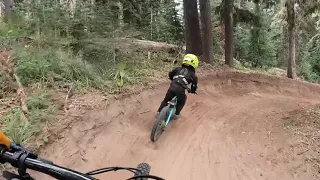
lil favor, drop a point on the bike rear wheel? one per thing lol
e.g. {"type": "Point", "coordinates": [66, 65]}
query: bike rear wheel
{"type": "Point", "coordinates": [159, 124]}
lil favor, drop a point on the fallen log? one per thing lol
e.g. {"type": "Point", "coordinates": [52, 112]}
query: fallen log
{"type": "Point", "coordinates": [129, 45]}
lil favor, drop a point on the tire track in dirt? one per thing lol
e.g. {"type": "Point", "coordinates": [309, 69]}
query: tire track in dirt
{"type": "Point", "coordinates": [231, 130]}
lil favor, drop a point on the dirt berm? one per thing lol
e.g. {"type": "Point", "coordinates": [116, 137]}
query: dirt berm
{"type": "Point", "coordinates": [231, 130]}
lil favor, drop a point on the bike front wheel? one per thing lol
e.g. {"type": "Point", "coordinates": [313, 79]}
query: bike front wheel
{"type": "Point", "coordinates": [144, 169]}
{"type": "Point", "coordinates": [159, 124]}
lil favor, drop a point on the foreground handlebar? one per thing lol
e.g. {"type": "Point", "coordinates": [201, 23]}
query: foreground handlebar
{"type": "Point", "coordinates": [24, 159]}
{"type": "Point", "coordinates": [22, 162]}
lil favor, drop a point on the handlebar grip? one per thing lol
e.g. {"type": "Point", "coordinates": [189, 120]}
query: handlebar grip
{"type": "Point", "coordinates": [15, 147]}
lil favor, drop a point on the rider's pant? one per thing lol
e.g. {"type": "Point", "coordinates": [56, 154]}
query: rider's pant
{"type": "Point", "coordinates": [174, 90]}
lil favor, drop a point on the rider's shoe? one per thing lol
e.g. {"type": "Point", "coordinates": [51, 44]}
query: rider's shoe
{"type": "Point", "coordinates": [175, 117]}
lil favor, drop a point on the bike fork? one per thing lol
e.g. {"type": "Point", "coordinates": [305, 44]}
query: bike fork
{"type": "Point", "coordinates": [170, 114]}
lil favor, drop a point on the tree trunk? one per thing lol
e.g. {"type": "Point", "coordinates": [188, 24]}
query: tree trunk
{"type": "Point", "coordinates": [228, 20]}
{"type": "Point", "coordinates": [206, 23]}
{"type": "Point", "coordinates": [186, 29]}
{"type": "Point", "coordinates": [192, 27]}
{"type": "Point", "coordinates": [283, 51]}
{"type": "Point", "coordinates": [120, 15]}
{"type": "Point", "coordinates": [291, 71]}
{"type": "Point", "coordinates": [7, 10]}
{"type": "Point", "coordinates": [1, 8]}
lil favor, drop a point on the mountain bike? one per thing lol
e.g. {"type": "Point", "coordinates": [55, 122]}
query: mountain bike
{"type": "Point", "coordinates": [24, 159]}
{"type": "Point", "coordinates": [163, 118]}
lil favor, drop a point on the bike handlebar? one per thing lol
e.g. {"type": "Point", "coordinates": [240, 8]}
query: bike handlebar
{"type": "Point", "coordinates": [24, 159]}
{"type": "Point", "coordinates": [22, 162]}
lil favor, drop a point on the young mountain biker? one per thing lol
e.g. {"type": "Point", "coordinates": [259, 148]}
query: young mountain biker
{"type": "Point", "coordinates": [180, 78]}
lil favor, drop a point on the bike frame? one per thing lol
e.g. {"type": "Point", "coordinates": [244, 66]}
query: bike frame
{"type": "Point", "coordinates": [172, 105]}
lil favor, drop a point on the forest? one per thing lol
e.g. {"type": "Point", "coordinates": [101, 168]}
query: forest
{"type": "Point", "coordinates": [242, 33]}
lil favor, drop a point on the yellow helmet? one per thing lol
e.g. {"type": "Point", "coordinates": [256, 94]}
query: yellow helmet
{"type": "Point", "coordinates": [191, 59]}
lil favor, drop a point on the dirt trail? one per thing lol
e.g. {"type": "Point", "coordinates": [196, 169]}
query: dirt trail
{"type": "Point", "coordinates": [231, 130]}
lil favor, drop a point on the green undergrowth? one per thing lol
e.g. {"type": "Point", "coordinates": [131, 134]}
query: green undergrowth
{"type": "Point", "coordinates": [56, 66]}
{"type": "Point", "coordinates": [245, 66]}
{"type": "Point", "coordinates": [21, 126]}
{"type": "Point", "coordinates": [53, 65]}
{"type": "Point", "coordinates": [55, 55]}
{"type": "Point", "coordinates": [35, 65]}
{"type": "Point", "coordinates": [266, 70]}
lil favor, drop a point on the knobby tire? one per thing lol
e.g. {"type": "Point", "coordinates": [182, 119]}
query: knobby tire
{"type": "Point", "coordinates": [159, 121]}
{"type": "Point", "coordinates": [144, 169]}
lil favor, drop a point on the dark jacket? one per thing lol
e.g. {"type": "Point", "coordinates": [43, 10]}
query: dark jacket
{"type": "Point", "coordinates": [182, 76]}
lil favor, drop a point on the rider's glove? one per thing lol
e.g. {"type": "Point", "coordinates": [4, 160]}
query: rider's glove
{"type": "Point", "coordinates": [193, 88]}
{"type": "Point", "coordinates": [4, 140]}
{"type": "Point", "coordinates": [4, 144]}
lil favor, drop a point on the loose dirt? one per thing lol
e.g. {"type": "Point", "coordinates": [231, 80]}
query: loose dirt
{"type": "Point", "coordinates": [233, 129]}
